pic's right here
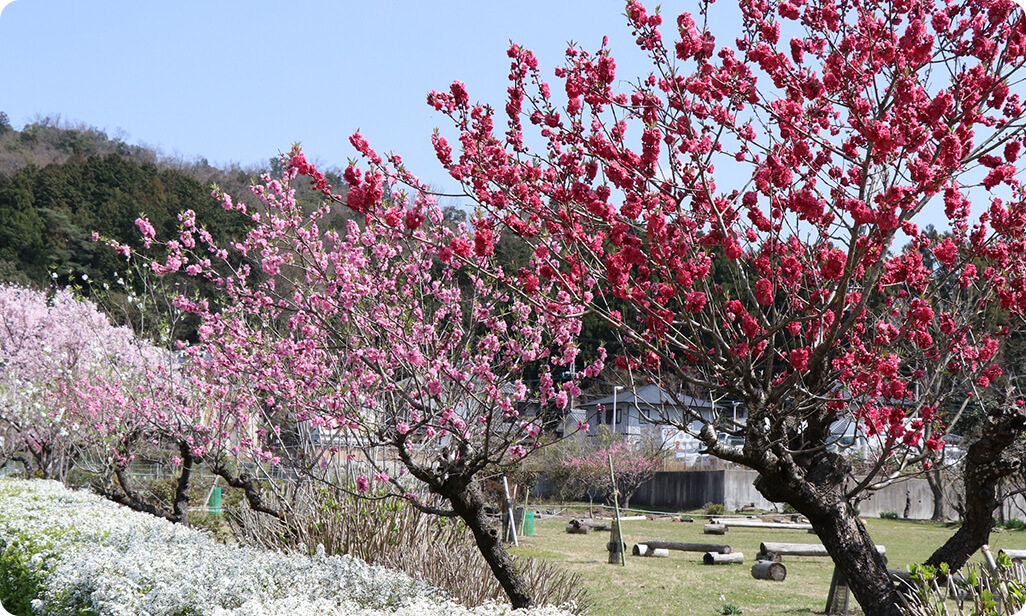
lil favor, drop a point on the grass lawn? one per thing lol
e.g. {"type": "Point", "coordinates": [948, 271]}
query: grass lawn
{"type": "Point", "coordinates": [682, 586]}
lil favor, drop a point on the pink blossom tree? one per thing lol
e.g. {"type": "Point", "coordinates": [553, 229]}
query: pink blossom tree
{"type": "Point", "coordinates": [747, 218]}
{"type": "Point", "coordinates": [398, 344]}
{"type": "Point", "coordinates": [633, 467]}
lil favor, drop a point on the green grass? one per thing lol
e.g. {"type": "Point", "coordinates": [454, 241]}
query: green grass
{"type": "Point", "coordinates": [681, 584]}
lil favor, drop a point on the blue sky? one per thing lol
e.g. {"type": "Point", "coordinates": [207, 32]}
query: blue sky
{"type": "Point", "coordinates": [236, 81]}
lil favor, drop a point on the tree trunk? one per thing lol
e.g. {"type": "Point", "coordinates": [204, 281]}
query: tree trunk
{"type": "Point", "coordinates": [996, 454]}
{"type": "Point", "coordinates": [468, 504]}
{"type": "Point", "coordinates": [855, 554]}
{"type": "Point", "coordinates": [936, 482]}
{"type": "Point", "coordinates": [813, 485]}
{"type": "Point", "coordinates": [180, 507]}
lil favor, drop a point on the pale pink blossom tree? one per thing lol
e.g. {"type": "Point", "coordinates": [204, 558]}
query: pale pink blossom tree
{"type": "Point", "coordinates": [49, 346]}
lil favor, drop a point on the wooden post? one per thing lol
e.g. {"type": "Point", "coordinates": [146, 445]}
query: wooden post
{"type": "Point", "coordinates": [509, 511]}
{"type": "Point", "coordinates": [615, 546]}
{"type": "Point", "coordinates": [839, 596]}
{"type": "Point", "coordinates": [769, 570]}
{"type": "Point", "coordinates": [993, 568]}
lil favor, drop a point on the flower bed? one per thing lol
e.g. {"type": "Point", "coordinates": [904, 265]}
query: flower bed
{"type": "Point", "coordinates": [75, 553]}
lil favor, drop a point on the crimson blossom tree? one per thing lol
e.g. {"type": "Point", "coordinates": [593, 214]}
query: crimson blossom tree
{"type": "Point", "coordinates": [396, 342]}
{"type": "Point", "coordinates": [747, 218]}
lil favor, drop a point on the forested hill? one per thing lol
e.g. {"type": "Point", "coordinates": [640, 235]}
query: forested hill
{"type": "Point", "coordinates": [58, 185]}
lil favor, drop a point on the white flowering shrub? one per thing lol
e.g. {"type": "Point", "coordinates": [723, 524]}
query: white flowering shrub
{"type": "Point", "coordinates": [83, 555]}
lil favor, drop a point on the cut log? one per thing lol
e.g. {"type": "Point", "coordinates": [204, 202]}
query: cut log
{"type": "Point", "coordinates": [714, 529]}
{"type": "Point", "coordinates": [800, 549]}
{"type": "Point", "coordinates": [1015, 555]}
{"type": "Point", "coordinates": [689, 547]}
{"type": "Point", "coordinates": [576, 527]}
{"type": "Point", "coordinates": [758, 524]}
{"type": "Point", "coordinates": [769, 570]}
{"type": "Point", "coordinates": [764, 556]}
{"type": "Point", "coordinates": [640, 549]}
{"type": "Point", "coordinates": [715, 558]}
{"type": "Point", "coordinates": [900, 574]}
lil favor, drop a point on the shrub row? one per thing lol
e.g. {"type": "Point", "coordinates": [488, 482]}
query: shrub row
{"type": "Point", "coordinates": [70, 553]}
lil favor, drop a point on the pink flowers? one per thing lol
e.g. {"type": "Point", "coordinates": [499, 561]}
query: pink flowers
{"type": "Point", "coordinates": [147, 230]}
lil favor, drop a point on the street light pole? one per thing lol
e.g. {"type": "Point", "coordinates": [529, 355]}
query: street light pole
{"type": "Point", "coordinates": [616, 388]}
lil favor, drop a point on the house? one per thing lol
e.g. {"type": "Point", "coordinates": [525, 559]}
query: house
{"type": "Point", "coordinates": [646, 412]}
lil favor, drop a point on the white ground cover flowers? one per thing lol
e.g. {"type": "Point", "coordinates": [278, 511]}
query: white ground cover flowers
{"type": "Point", "coordinates": [90, 556]}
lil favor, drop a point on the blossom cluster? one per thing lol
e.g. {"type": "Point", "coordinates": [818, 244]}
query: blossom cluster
{"type": "Point", "coordinates": [91, 554]}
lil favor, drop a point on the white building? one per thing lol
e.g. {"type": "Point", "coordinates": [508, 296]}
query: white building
{"type": "Point", "coordinates": [647, 413]}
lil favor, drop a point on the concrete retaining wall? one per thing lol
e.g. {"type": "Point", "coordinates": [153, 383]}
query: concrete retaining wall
{"type": "Point", "coordinates": [734, 489]}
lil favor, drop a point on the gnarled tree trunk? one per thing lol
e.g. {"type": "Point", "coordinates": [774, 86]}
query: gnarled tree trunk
{"type": "Point", "coordinates": [996, 453]}
{"type": "Point", "coordinates": [468, 503]}
{"type": "Point", "coordinates": [814, 486]}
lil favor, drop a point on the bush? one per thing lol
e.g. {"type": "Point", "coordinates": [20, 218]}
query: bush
{"type": "Point", "coordinates": [984, 592]}
{"type": "Point", "coordinates": [715, 509]}
{"type": "Point", "coordinates": [888, 515]}
{"type": "Point", "coordinates": [104, 560]}
{"type": "Point", "coordinates": [440, 551]}
{"type": "Point", "coordinates": [1015, 524]}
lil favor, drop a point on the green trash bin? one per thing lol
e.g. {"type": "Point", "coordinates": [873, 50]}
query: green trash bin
{"type": "Point", "coordinates": [214, 502]}
{"type": "Point", "coordinates": [529, 524]}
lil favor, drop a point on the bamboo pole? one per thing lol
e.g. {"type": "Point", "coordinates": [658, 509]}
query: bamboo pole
{"type": "Point", "coordinates": [616, 537]}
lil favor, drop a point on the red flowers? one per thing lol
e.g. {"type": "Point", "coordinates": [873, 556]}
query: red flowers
{"type": "Point", "coordinates": [764, 292]}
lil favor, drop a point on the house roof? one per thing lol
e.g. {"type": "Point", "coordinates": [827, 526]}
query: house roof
{"type": "Point", "coordinates": [651, 396]}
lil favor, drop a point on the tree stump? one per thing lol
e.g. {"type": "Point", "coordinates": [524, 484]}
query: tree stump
{"type": "Point", "coordinates": [715, 558]}
{"type": "Point", "coordinates": [769, 570]}
{"type": "Point", "coordinates": [641, 549]}
{"type": "Point", "coordinates": [576, 527]}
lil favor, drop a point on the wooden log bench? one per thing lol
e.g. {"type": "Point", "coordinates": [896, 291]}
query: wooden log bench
{"type": "Point", "coordinates": [750, 523]}
{"type": "Point", "coordinates": [773, 551]}
{"type": "Point", "coordinates": [639, 549]}
{"type": "Point", "coordinates": [1016, 555]}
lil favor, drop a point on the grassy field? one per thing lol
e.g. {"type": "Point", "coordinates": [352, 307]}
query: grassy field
{"type": "Point", "coordinates": [682, 586]}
